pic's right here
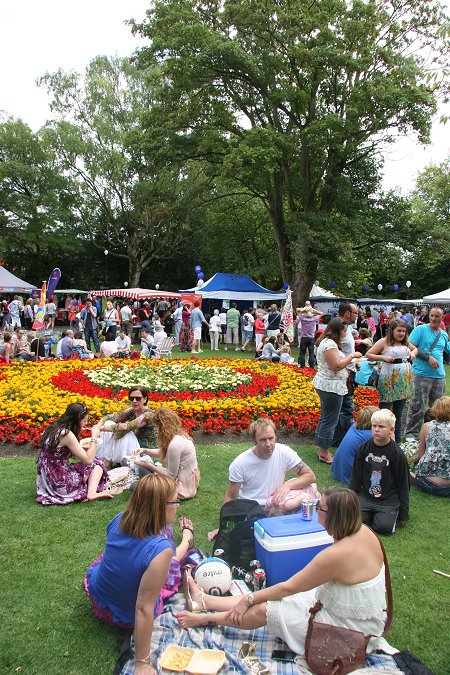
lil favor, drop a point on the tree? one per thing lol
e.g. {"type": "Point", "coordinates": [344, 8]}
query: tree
{"type": "Point", "coordinates": [36, 201]}
{"type": "Point", "coordinates": [138, 213]}
{"type": "Point", "coordinates": [292, 101]}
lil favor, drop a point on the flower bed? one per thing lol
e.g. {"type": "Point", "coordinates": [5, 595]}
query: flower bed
{"type": "Point", "coordinates": [211, 395]}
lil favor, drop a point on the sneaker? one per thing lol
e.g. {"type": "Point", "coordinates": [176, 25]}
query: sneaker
{"type": "Point", "coordinates": [226, 348]}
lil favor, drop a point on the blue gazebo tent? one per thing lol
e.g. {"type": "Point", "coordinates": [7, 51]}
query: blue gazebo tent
{"type": "Point", "coordinates": [239, 287]}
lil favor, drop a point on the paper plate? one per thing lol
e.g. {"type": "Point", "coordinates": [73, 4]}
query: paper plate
{"type": "Point", "coordinates": [85, 442]}
{"type": "Point", "coordinates": [206, 662]}
{"type": "Point", "coordinates": [176, 658]}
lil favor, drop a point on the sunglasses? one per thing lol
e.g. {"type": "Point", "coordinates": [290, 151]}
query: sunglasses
{"type": "Point", "coordinates": [135, 398]}
{"type": "Point", "coordinates": [319, 508]}
{"type": "Point", "coordinates": [177, 502]}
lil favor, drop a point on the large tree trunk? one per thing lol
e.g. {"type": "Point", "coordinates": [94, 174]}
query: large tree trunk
{"type": "Point", "coordinates": [135, 271]}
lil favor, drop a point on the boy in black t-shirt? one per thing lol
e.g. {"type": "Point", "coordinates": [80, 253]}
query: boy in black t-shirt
{"type": "Point", "coordinates": [380, 477]}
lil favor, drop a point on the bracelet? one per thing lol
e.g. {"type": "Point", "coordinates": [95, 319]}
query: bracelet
{"type": "Point", "coordinates": [143, 660]}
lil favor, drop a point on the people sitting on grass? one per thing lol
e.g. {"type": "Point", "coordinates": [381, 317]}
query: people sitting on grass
{"type": "Point", "coordinates": [108, 347]}
{"type": "Point", "coordinates": [269, 352]}
{"type": "Point", "coordinates": [260, 473]}
{"type": "Point", "coordinates": [432, 471]}
{"type": "Point", "coordinates": [124, 432]}
{"type": "Point", "coordinates": [6, 348]}
{"type": "Point", "coordinates": [380, 477]}
{"type": "Point", "coordinates": [123, 342]}
{"type": "Point", "coordinates": [176, 450]}
{"type": "Point", "coordinates": [348, 578]}
{"type": "Point", "coordinates": [140, 566]}
{"type": "Point", "coordinates": [22, 349]}
{"type": "Point", "coordinates": [345, 454]}
{"type": "Point", "coordinates": [58, 480]}
{"type": "Point", "coordinates": [79, 347]}
{"type": "Point", "coordinates": [285, 355]}
{"type": "Point", "coordinates": [65, 346]}
{"type": "Point", "coordinates": [147, 344]}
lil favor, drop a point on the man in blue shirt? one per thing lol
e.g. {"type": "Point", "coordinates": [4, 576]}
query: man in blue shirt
{"type": "Point", "coordinates": [88, 316]}
{"type": "Point", "coordinates": [428, 367]}
{"type": "Point", "coordinates": [197, 319]}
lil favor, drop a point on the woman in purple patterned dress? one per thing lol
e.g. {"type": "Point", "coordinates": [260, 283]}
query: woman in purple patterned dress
{"type": "Point", "coordinates": [58, 480]}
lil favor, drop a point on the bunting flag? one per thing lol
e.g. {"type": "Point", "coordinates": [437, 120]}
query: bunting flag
{"type": "Point", "coordinates": [53, 281]}
{"type": "Point", "coordinates": [288, 316]}
{"type": "Point", "coordinates": [38, 323]}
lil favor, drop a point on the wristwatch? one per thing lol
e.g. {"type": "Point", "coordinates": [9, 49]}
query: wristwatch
{"type": "Point", "coordinates": [250, 599]}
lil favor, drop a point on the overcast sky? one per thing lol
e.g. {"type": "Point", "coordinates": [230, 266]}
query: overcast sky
{"type": "Point", "coordinates": [43, 35]}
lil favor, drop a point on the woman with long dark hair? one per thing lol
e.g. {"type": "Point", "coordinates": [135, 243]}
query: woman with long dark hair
{"type": "Point", "coordinates": [330, 383]}
{"type": "Point", "coordinates": [59, 481]}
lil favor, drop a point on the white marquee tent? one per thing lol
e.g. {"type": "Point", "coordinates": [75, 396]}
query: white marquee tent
{"type": "Point", "coordinates": [442, 298]}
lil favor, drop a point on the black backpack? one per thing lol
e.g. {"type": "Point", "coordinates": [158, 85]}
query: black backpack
{"type": "Point", "coordinates": [235, 535]}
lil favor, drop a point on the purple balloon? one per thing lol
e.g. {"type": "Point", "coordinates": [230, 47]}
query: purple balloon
{"type": "Point", "coordinates": [197, 269]}
{"type": "Point", "coordinates": [332, 284]}
{"type": "Point", "coordinates": [366, 288]}
{"type": "Point", "coordinates": [395, 287]}
{"type": "Point", "coordinates": [200, 275]}
{"type": "Point", "coordinates": [285, 286]}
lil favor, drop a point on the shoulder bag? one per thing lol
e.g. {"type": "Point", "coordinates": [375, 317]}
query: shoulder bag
{"type": "Point", "coordinates": [425, 354]}
{"type": "Point", "coordinates": [332, 650]}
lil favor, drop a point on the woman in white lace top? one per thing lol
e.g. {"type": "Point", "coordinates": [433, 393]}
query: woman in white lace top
{"type": "Point", "coordinates": [347, 577]}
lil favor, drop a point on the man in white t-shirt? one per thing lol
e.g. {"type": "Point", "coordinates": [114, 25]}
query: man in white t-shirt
{"type": "Point", "coordinates": [260, 472]}
{"type": "Point", "coordinates": [126, 315]}
{"type": "Point", "coordinates": [123, 342]}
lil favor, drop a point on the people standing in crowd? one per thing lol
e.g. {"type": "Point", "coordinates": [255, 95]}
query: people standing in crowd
{"type": "Point", "coordinates": [330, 383]}
{"type": "Point", "coordinates": [348, 312]}
{"type": "Point", "coordinates": [215, 330]}
{"type": "Point", "coordinates": [370, 321]}
{"type": "Point", "coordinates": [273, 321]}
{"type": "Point", "coordinates": [15, 308]}
{"type": "Point", "coordinates": [446, 320]}
{"type": "Point", "coordinates": [396, 379]}
{"type": "Point", "coordinates": [50, 312]}
{"type": "Point", "coordinates": [144, 316]}
{"type": "Point", "coordinates": [177, 322]}
{"type": "Point", "coordinates": [260, 330]}
{"type": "Point", "coordinates": [111, 319]}
{"type": "Point", "coordinates": [432, 471]}
{"type": "Point", "coordinates": [162, 307]}
{"type": "Point", "coordinates": [309, 320]}
{"type": "Point", "coordinates": [28, 314]}
{"type": "Point", "coordinates": [384, 320]}
{"type": "Point", "coordinates": [428, 368]}
{"type": "Point", "coordinates": [4, 313]}
{"type": "Point", "coordinates": [248, 321]}
{"type": "Point", "coordinates": [376, 318]}
{"type": "Point", "coordinates": [380, 477]}
{"type": "Point", "coordinates": [176, 450]}
{"type": "Point", "coordinates": [423, 316]}
{"type": "Point", "coordinates": [233, 321]}
{"type": "Point", "coordinates": [186, 332]}
{"type": "Point", "coordinates": [345, 454]}
{"type": "Point", "coordinates": [197, 320]}
{"type": "Point", "coordinates": [408, 318]}
{"type": "Point", "coordinates": [88, 318]}
{"type": "Point", "coordinates": [223, 324]}
{"type": "Point", "coordinates": [361, 320]}
{"type": "Point", "coordinates": [126, 316]}
{"type": "Point", "coordinates": [364, 340]}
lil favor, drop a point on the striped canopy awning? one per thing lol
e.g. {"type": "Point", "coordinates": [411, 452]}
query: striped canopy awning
{"type": "Point", "coordinates": [136, 293]}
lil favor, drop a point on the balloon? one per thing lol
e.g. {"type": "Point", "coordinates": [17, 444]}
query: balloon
{"type": "Point", "coordinates": [380, 287]}
{"type": "Point", "coordinates": [349, 284]}
{"type": "Point", "coordinates": [395, 287]}
{"type": "Point", "coordinates": [366, 288]}
{"type": "Point", "coordinates": [201, 275]}
{"type": "Point", "coordinates": [200, 283]}
{"type": "Point", "coordinates": [316, 282]}
{"type": "Point", "coordinates": [408, 284]}
{"type": "Point", "coordinates": [332, 284]}
{"type": "Point", "coordinates": [106, 251]}
{"type": "Point", "coordinates": [157, 287]}
{"type": "Point", "coordinates": [285, 286]}
{"type": "Point", "coordinates": [197, 269]}
{"type": "Point", "coordinates": [125, 283]}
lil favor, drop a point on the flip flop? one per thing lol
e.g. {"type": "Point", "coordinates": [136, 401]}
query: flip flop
{"type": "Point", "coordinates": [324, 461]}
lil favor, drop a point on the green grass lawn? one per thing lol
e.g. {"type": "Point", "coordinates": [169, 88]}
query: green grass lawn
{"type": "Point", "coordinates": [47, 624]}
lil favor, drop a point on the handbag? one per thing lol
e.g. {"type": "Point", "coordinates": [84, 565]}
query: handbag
{"type": "Point", "coordinates": [332, 650]}
{"type": "Point", "coordinates": [373, 378]}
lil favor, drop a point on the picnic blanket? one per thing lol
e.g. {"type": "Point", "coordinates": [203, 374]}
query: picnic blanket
{"type": "Point", "coordinates": [166, 631]}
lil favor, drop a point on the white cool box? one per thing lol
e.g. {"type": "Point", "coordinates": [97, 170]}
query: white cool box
{"type": "Point", "coordinates": [286, 544]}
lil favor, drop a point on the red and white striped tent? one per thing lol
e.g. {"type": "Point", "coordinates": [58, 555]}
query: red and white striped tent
{"type": "Point", "coordinates": [136, 293]}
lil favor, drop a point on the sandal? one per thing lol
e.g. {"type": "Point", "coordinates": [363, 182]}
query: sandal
{"type": "Point", "coordinates": [325, 461]}
{"type": "Point", "coordinates": [193, 605]}
{"type": "Point", "coordinates": [187, 527]}
{"type": "Point", "coordinates": [247, 654]}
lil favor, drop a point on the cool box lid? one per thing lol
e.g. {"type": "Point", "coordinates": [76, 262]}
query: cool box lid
{"type": "Point", "coordinates": [287, 526]}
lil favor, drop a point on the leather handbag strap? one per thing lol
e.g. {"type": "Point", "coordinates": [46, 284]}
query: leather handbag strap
{"type": "Point", "coordinates": [387, 577]}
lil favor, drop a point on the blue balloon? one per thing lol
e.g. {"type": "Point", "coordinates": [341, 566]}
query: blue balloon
{"type": "Point", "coordinates": [366, 288]}
{"type": "Point", "coordinates": [332, 284]}
{"type": "Point", "coordinates": [285, 286]}
{"type": "Point", "coordinates": [395, 287]}
{"type": "Point", "coordinates": [197, 269]}
{"type": "Point", "coordinates": [201, 275]}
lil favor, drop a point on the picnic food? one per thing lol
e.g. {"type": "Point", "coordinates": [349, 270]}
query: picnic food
{"type": "Point", "coordinates": [176, 658]}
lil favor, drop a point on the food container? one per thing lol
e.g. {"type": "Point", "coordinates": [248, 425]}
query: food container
{"type": "Point", "coordinates": [195, 661]}
{"type": "Point", "coordinates": [85, 442]}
